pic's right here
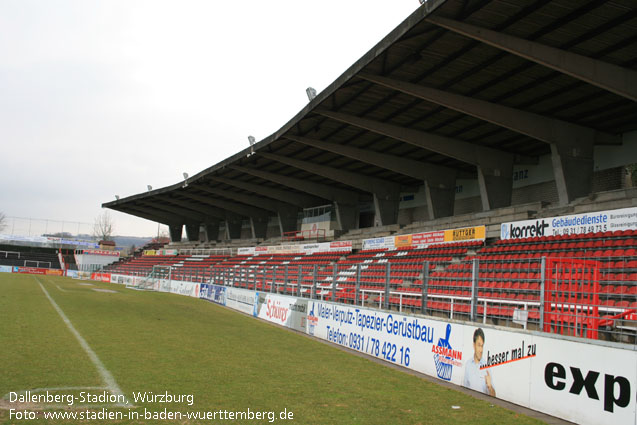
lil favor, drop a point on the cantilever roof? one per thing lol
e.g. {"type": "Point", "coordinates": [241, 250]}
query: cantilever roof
{"type": "Point", "coordinates": [433, 48]}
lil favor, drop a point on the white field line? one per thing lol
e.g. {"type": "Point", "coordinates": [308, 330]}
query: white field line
{"type": "Point", "coordinates": [107, 377]}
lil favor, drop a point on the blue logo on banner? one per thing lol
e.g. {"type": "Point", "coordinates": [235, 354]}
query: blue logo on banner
{"type": "Point", "coordinates": [444, 356]}
{"type": "Point", "coordinates": [504, 231]}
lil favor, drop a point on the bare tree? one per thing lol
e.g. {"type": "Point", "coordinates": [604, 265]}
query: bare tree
{"type": "Point", "coordinates": [103, 226]}
{"type": "Point", "coordinates": [3, 221]}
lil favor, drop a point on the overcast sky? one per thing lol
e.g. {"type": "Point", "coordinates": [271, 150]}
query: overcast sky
{"type": "Point", "coordinates": [101, 98]}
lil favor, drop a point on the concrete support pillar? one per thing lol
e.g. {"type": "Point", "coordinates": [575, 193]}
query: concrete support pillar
{"type": "Point", "coordinates": [495, 178]}
{"type": "Point", "coordinates": [233, 228]}
{"type": "Point", "coordinates": [212, 231]}
{"type": "Point", "coordinates": [573, 169]}
{"type": "Point", "coordinates": [175, 232]}
{"type": "Point", "coordinates": [259, 226]}
{"type": "Point", "coordinates": [346, 216]}
{"type": "Point", "coordinates": [386, 208]}
{"type": "Point", "coordinates": [288, 220]}
{"type": "Point", "coordinates": [192, 232]}
{"type": "Point", "coordinates": [440, 191]}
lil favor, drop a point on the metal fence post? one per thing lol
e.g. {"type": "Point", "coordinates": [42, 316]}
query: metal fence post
{"type": "Point", "coordinates": [474, 289]}
{"type": "Point", "coordinates": [274, 288]}
{"type": "Point", "coordinates": [313, 295]}
{"type": "Point", "coordinates": [357, 284]}
{"type": "Point", "coordinates": [264, 279]}
{"type": "Point", "coordinates": [299, 280]}
{"type": "Point", "coordinates": [542, 289]}
{"type": "Point", "coordinates": [386, 297]}
{"type": "Point", "coordinates": [425, 287]}
{"type": "Point", "coordinates": [285, 280]}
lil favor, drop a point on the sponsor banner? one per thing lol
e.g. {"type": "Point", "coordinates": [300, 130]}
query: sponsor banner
{"type": "Point", "coordinates": [341, 246]}
{"type": "Point", "coordinates": [101, 277]}
{"type": "Point", "coordinates": [311, 248]}
{"type": "Point", "coordinates": [214, 293]}
{"type": "Point", "coordinates": [601, 221]}
{"type": "Point", "coordinates": [122, 279]}
{"type": "Point", "coordinates": [245, 251]}
{"type": "Point", "coordinates": [427, 346]}
{"type": "Point", "coordinates": [100, 252]}
{"type": "Point", "coordinates": [477, 233]}
{"type": "Point", "coordinates": [54, 272]}
{"type": "Point", "coordinates": [31, 270]}
{"type": "Point", "coordinates": [379, 243]}
{"type": "Point", "coordinates": [72, 273]}
{"type": "Point", "coordinates": [160, 252]}
{"type": "Point", "coordinates": [241, 300]}
{"type": "Point", "coordinates": [580, 382]}
{"type": "Point", "coordinates": [189, 289]}
{"type": "Point", "coordinates": [287, 311]}
{"type": "Point", "coordinates": [6, 269]}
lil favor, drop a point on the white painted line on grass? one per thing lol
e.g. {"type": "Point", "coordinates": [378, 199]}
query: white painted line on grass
{"type": "Point", "coordinates": [107, 377]}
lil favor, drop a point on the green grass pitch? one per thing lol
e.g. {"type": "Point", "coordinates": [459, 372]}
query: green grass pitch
{"type": "Point", "coordinates": [156, 342]}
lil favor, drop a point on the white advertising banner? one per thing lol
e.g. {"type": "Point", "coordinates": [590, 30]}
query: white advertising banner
{"type": "Point", "coordinates": [584, 383]}
{"type": "Point", "coordinates": [6, 269]}
{"type": "Point", "coordinates": [181, 288]}
{"type": "Point", "coordinates": [575, 380]}
{"type": "Point", "coordinates": [601, 221]}
{"type": "Point", "coordinates": [427, 346]}
{"type": "Point", "coordinates": [241, 300]}
{"type": "Point", "coordinates": [282, 310]}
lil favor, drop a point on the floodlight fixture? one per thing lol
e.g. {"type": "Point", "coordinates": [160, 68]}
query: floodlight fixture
{"type": "Point", "coordinates": [117, 197]}
{"type": "Point", "coordinates": [252, 140]}
{"type": "Point", "coordinates": [185, 176]}
{"type": "Point", "coordinates": [149, 187]}
{"type": "Point", "coordinates": [311, 93]}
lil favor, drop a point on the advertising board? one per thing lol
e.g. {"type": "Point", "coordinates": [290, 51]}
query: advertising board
{"type": "Point", "coordinates": [282, 310]}
{"type": "Point", "coordinates": [601, 221]}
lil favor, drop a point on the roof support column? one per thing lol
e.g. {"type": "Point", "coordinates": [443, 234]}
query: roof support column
{"type": "Point", "coordinates": [233, 227]}
{"type": "Point", "coordinates": [495, 179]}
{"type": "Point", "coordinates": [175, 232]}
{"type": "Point", "coordinates": [386, 208]}
{"type": "Point", "coordinates": [573, 169]}
{"type": "Point", "coordinates": [346, 216]}
{"type": "Point", "coordinates": [288, 219]}
{"type": "Point", "coordinates": [192, 232]}
{"type": "Point", "coordinates": [259, 226]}
{"type": "Point", "coordinates": [212, 231]}
{"type": "Point", "coordinates": [440, 191]}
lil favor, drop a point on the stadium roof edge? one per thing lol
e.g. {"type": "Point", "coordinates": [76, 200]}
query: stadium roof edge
{"type": "Point", "coordinates": [419, 14]}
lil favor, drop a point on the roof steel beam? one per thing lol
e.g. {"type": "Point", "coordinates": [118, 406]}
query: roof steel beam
{"type": "Point", "coordinates": [616, 79]}
{"type": "Point", "coordinates": [256, 201]}
{"type": "Point", "coordinates": [286, 214]}
{"type": "Point", "coordinates": [495, 167]}
{"type": "Point", "coordinates": [439, 180]}
{"type": "Point", "coordinates": [405, 166]}
{"type": "Point", "coordinates": [359, 181]}
{"type": "Point", "coordinates": [182, 212]}
{"type": "Point", "coordinates": [244, 210]}
{"type": "Point", "coordinates": [454, 148]}
{"type": "Point", "coordinates": [298, 199]}
{"type": "Point", "coordinates": [151, 214]}
{"type": "Point", "coordinates": [318, 189]}
{"type": "Point", "coordinates": [545, 129]}
{"type": "Point", "coordinates": [386, 194]}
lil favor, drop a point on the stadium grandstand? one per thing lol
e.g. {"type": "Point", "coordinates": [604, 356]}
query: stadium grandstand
{"type": "Point", "coordinates": [467, 185]}
{"type": "Point", "coordinates": [469, 115]}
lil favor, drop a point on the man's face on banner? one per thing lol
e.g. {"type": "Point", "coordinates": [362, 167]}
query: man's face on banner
{"type": "Point", "coordinates": [478, 345]}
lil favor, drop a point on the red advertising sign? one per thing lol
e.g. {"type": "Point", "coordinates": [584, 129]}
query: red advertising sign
{"type": "Point", "coordinates": [102, 277]}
